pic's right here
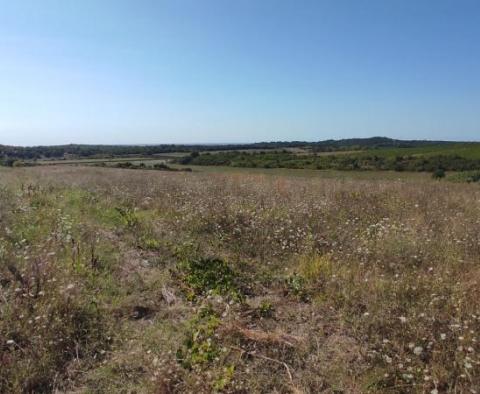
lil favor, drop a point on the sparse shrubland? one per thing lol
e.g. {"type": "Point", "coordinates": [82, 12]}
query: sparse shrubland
{"type": "Point", "coordinates": [79, 151]}
{"type": "Point", "coordinates": [163, 282]}
{"type": "Point", "coordinates": [406, 159]}
{"type": "Point", "coordinates": [142, 166]}
{"type": "Point", "coordinates": [467, 176]}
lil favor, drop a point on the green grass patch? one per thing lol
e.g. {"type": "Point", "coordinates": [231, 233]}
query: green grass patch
{"type": "Point", "coordinates": [199, 346]}
{"type": "Point", "coordinates": [210, 276]}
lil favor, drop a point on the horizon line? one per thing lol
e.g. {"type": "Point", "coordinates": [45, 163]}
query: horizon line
{"type": "Point", "coordinates": [238, 143]}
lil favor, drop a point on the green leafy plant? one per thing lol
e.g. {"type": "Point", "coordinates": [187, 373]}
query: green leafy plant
{"type": "Point", "coordinates": [224, 380]}
{"type": "Point", "coordinates": [296, 286]}
{"type": "Point", "coordinates": [128, 215]}
{"type": "Point", "coordinates": [439, 173]}
{"type": "Point", "coordinates": [266, 309]}
{"type": "Point", "coordinates": [213, 276]}
{"type": "Point", "coordinates": [199, 346]}
{"type": "Point", "coordinates": [149, 243]}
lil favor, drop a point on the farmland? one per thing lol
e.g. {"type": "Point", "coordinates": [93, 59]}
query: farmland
{"type": "Point", "coordinates": [237, 280]}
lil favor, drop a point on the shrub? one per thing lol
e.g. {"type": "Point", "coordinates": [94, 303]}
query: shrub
{"type": "Point", "coordinates": [266, 309]}
{"type": "Point", "coordinates": [9, 162]}
{"type": "Point", "coordinates": [296, 285]}
{"type": "Point", "coordinates": [209, 275]}
{"type": "Point", "coordinates": [161, 166]}
{"type": "Point", "coordinates": [439, 173]}
{"type": "Point", "coordinates": [199, 346]}
{"type": "Point", "coordinates": [128, 216]}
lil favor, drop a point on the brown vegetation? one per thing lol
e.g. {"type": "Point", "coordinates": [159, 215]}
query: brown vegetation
{"type": "Point", "coordinates": [163, 282]}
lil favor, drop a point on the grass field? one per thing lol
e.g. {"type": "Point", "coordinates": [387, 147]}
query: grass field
{"type": "Point", "coordinates": [134, 159]}
{"type": "Point", "coordinates": [466, 150]}
{"type": "Point", "coordinates": [308, 173]}
{"type": "Point", "coordinates": [303, 173]}
{"type": "Point", "coordinates": [397, 163]}
{"type": "Point", "coordinates": [233, 281]}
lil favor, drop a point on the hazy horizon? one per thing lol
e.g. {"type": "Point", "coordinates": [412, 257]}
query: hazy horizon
{"type": "Point", "coordinates": [238, 143]}
{"type": "Point", "coordinates": [118, 72]}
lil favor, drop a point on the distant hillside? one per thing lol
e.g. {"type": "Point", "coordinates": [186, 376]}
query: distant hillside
{"type": "Point", "coordinates": [72, 150]}
{"type": "Point", "coordinates": [373, 143]}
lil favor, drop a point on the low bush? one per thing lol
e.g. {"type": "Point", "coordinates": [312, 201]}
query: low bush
{"type": "Point", "coordinates": [210, 276]}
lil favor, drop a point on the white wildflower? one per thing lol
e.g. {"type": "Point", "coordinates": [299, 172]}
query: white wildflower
{"type": "Point", "coordinates": [418, 350]}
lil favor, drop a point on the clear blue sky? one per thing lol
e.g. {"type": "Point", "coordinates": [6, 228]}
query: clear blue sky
{"type": "Point", "coordinates": [138, 71]}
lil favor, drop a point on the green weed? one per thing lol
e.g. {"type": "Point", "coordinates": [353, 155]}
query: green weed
{"type": "Point", "coordinates": [199, 346]}
{"type": "Point", "coordinates": [210, 276]}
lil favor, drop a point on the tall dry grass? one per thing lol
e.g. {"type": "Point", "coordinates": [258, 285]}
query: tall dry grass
{"type": "Point", "coordinates": [346, 285]}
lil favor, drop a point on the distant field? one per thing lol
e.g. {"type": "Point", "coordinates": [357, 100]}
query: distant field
{"type": "Point", "coordinates": [309, 173]}
{"type": "Point", "coordinates": [137, 159]}
{"type": "Point", "coordinates": [373, 163]}
{"type": "Point", "coordinates": [466, 150]}
{"type": "Point", "coordinates": [290, 172]}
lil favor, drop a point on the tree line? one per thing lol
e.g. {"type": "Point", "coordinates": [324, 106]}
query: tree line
{"type": "Point", "coordinates": [89, 151]}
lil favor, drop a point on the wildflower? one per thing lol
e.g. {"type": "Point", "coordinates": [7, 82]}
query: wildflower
{"type": "Point", "coordinates": [403, 319]}
{"type": "Point", "coordinates": [443, 336]}
{"type": "Point", "coordinates": [418, 350]}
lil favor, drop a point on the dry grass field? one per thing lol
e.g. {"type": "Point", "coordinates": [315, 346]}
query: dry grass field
{"type": "Point", "coordinates": [130, 281]}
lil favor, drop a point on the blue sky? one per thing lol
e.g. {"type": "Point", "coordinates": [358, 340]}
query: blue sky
{"type": "Point", "coordinates": [180, 71]}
